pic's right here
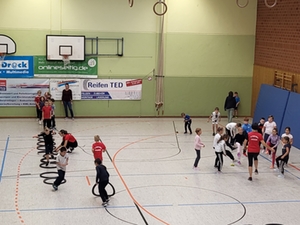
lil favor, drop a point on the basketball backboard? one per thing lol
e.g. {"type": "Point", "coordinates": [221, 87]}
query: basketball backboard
{"type": "Point", "coordinates": [58, 46]}
{"type": "Point", "coordinates": [7, 45]}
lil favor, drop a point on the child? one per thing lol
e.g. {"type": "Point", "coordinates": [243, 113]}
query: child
{"type": "Point", "coordinates": [62, 161]}
{"type": "Point", "coordinates": [231, 130]}
{"type": "Point", "coordinates": [261, 124]}
{"type": "Point", "coordinates": [53, 123]}
{"type": "Point", "coordinates": [288, 134]}
{"type": "Point", "coordinates": [273, 141]}
{"type": "Point", "coordinates": [268, 127]}
{"type": "Point", "coordinates": [284, 157]}
{"type": "Point", "coordinates": [37, 104]}
{"type": "Point", "coordinates": [102, 179]}
{"type": "Point", "coordinates": [240, 140]}
{"type": "Point", "coordinates": [215, 119]}
{"type": "Point", "coordinates": [246, 126]}
{"type": "Point", "coordinates": [237, 100]}
{"type": "Point", "coordinates": [41, 105]}
{"type": "Point", "coordinates": [48, 138]}
{"type": "Point", "coordinates": [197, 146]}
{"type": "Point", "coordinates": [187, 122]}
{"type": "Point", "coordinates": [98, 147]}
{"type": "Point", "coordinates": [220, 150]}
{"type": "Point", "coordinates": [46, 114]}
{"type": "Point", "coordinates": [216, 139]}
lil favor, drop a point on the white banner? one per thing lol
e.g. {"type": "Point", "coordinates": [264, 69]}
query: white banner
{"type": "Point", "coordinates": [111, 89]}
{"type": "Point", "coordinates": [58, 85]}
{"type": "Point", "coordinates": [21, 92]}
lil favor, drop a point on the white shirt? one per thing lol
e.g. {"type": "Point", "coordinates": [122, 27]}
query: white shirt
{"type": "Point", "coordinates": [220, 147]}
{"type": "Point", "coordinates": [287, 135]}
{"type": "Point", "coordinates": [269, 127]}
{"type": "Point", "coordinates": [231, 126]}
{"type": "Point", "coordinates": [215, 117]}
{"type": "Point", "coordinates": [62, 160]}
{"type": "Point", "coordinates": [216, 138]}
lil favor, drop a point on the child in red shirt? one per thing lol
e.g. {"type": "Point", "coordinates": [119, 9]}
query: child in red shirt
{"type": "Point", "coordinates": [47, 114]}
{"type": "Point", "coordinates": [37, 103]}
{"type": "Point", "coordinates": [98, 147]}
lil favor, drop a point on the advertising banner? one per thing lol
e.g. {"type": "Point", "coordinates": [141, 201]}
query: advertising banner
{"type": "Point", "coordinates": [16, 67]}
{"type": "Point", "coordinates": [76, 69]}
{"type": "Point", "coordinates": [58, 85]}
{"type": "Point", "coordinates": [21, 92]}
{"type": "Point", "coordinates": [115, 89]}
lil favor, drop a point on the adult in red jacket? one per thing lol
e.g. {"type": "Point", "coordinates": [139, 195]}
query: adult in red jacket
{"type": "Point", "coordinates": [68, 141]}
{"type": "Point", "coordinates": [254, 141]}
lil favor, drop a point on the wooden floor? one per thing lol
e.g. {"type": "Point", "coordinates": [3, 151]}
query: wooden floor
{"type": "Point", "coordinates": [151, 170]}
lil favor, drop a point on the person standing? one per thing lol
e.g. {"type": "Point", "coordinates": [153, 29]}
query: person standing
{"type": "Point", "coordinates": [198, 144]}
{"type": "Point", "coordinates": [284, 157]}
{"type": "Point", "coordinates": [187, 123]}
{"type": "Point", "coordinates": [102, 179]}
{"type": "Point", "coordinates": [47, 114]}
{"type": "Point", "coordinates": [237, 100]}
{"type": "Point", "coordinates": [215, 119]}
{"type": "Point", "coordinates": [98, 147]}
{"type": "Point", "coordinates": [254, 141]}
{"type": "Point", "coordinates": [62, 161]}
{"type": "Point", "coordinates": [37, 104]}
{"type": "Point", "coordinates": [229, 105]}
{"type": "Point", "coordinates": [67, 99]}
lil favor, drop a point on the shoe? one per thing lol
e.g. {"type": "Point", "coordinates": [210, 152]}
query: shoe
{"type": "Point", "coordinates": [213, 134]}
{"type": "Point", "coordinates": [219, 172]}
{"type": "Point", "coordinates": [104, 204]}
{"type": "Point", "coordinates": [69, 151]}
{"type": "Point", "coordinates": [73, 118]}
{"type": "Point", "coordinates": [250, 178]}
{"type": "Point", "coordinates": [54, 187]}
{"type": "Point", "coordinates": [191, 132]}
{"type": "Point", "coordinates": [185, 132]}
{"type": "Point", "coordinates": [281, 175]}
{"type": "Point", "coordinates": [276, 170]}
{"type": "Point", "coordinates": [256, 172]}
{"type": "Point", "coordinates": [196, 168]}
{"type": "Point", "coordinates": [47, 163]}
{"type": "Point", "coordinates": [107, 200]}
{"type": "Point", "coordinates": [66, 118]}
{"type": "Point", "coordinates": [215, 166]}
{"type": "Point", "coordinates": [40, 122]}
{"type": "Point", "coordinates": [239, 162]}
{"type": "Point", "coordinates": [232, 164]}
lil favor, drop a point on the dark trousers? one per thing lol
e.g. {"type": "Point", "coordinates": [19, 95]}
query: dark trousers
{"type": "Point", "coordinates": [40, 114]}
{"type": "Point", "coordinates": [47, 123]}
{"type": "Point", "coordinates": [66, 106]}
{"type": "Point", "coordinates": [37, 113]}
{"type": "Point", "coordinates": [102, 191]}
{"type": "Point", "coordinates": [53, 124]}
{"type": "Point", "coordinates": [188, 124]}
{"type": "Point", "coordinates": [219, 160]}
{"type": "Point", "coordinates": [72, 145]}
{"type": "Point", "coordinates": [197, 158]}
{"type": "Point", "coordinates": [229, 154]}
{"type": "Point", "coordinates": [230, 139]}
{"type": "Point", "coordinates": [60, 178]}
{"type": "Point", "coordinates": [281, 162]}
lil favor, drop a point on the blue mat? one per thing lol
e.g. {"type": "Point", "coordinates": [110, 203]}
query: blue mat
{"type": "Point", "coordinates": [291, 118]}
{"type": "Point", "coordinates": [271, 101]}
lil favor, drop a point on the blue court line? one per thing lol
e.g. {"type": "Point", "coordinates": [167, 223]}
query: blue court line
{"type": "Point", "coordinates": [3, 159]}
{"type": "Point", "coordinates": [151, 206]}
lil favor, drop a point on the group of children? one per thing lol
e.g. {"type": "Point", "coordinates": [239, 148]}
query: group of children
{"type": "Point", "coordinates": [240, 136]}
{"type": "Point", "coordinates": [45, 109]}
{"type": "Point", "coordinates": [68, 144]}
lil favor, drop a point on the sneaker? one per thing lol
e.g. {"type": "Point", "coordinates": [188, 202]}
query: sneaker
{"type": "Point", "coordinates": [239, 162]}
{"type": "Point", "coordinates": [47, 163]}
{"type": "Point", "coordinates": [276, 170]}
{"type": "Point", "coordinates": [69, 151]}
{"type": "Point", "coordinates": [191, 132]}
{"type": "Point", "coordinates": [104, 204]}
{"type": "Point", "coordinates": [66, 118]}
{"type": "Point", "coordinates": [185, 132]}
{"type": "Point", "coordinates": [40, 122]}
{"type": "Point", "coordinates": [107, 200]}
{"type": "Point", "coordinates": [281, 175]}
{"type": "Point", "coordinates": [250, 178]}
{"type": "Point", "coordinates": [196, 168]}
{"type": "Point", "coordinates": [73, 118]}
{"type": "Point", "coordinates": [232, 164]}
{"type": "Point", "coordinates": [54, 187]}
{"type": "Point", "coordinates": [256, 171]}
{"type": "Point", "coordinates": [213, 134]}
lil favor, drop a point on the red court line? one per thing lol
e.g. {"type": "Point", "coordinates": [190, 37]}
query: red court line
{"type": "Point", "coordinates": [295, 167]}
{"type": "Point", "coordinates": [123, 181]}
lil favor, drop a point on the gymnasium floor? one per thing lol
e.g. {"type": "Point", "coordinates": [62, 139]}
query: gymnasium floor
{"type": "Point", "coordinates": [152, 175]}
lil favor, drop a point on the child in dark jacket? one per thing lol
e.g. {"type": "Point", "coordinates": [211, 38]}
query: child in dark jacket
{"type": "Point", "coordinates": [102, 179]}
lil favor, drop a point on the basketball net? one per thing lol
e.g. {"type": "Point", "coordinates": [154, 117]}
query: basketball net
{"type": "Point", "coordinates": [66, 60]}
{"type": "Point", "coordinates": [2, 57]}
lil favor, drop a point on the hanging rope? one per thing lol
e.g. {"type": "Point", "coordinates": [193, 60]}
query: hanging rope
{"type": "Point", "coordinates": [159, 99]}
{"type": "Point", "coordinates": [130, 2]}
{"type": "Point", "coordinates": [242, 6]}
{"type": "Point", "coordinates": [270, 6]}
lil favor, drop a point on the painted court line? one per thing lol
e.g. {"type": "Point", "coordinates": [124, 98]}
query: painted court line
{"type": "Point", "coordinates": [4, 157]}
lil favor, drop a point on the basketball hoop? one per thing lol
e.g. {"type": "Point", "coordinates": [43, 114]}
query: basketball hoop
{"type": "Point", "coordinates": [66, 60]}
{"type": "Point", "coordinates": [2, 57]}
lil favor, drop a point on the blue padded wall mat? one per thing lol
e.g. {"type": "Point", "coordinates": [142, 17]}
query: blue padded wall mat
{"type": "Point", "coordinates": [291, 118]}
{"type": "Point", "coordinates": [271, 101]}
